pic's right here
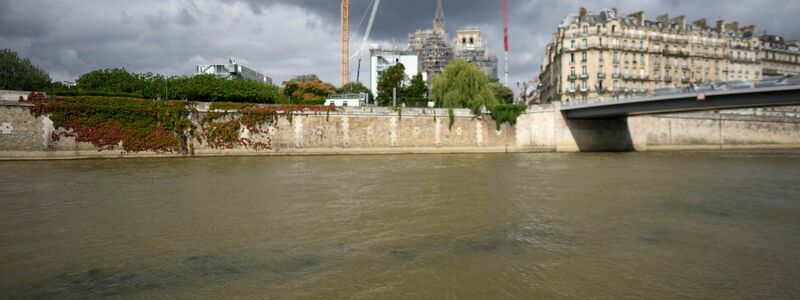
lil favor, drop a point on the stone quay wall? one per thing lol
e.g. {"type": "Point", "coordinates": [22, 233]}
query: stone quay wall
{"type": "Point", "coordinates": [416, 130]}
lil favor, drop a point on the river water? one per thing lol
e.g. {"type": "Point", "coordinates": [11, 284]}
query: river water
{"type": "Point", "coordinates": [521, 226]}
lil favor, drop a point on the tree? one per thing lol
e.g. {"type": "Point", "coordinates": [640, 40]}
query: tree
{"type": "Point", "coordinates": [307, 89]}
{"type": "Point", "coordinates": [20, 74]}
{"type": "Point", "coordinates": [355, 88]}
{"type": "Point", "coordinates": [462, 85]}
{"type": "Point", "coordinates": [208, 88]}
{"type": "Point", "coordinates": [306, 77]}
{"type": "Point", "coordinates": [417, 90]}
{"type": "Point", "coordinates": [503, 94]}
{"type": "Point", "coordinates": [110, 80]}
{"type": "Point", "coordinates": [391, 79]}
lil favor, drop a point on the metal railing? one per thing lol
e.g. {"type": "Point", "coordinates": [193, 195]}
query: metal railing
{"type": "Point", "coordinates": [633, 93]}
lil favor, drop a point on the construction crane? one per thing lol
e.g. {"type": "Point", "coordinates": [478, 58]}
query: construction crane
{"type": "Point", "coordinates": [505, 33]}
{"type": "Point", "coordinates": [360, 51]}
{"type": "Point", "coordinates": [345, 41]}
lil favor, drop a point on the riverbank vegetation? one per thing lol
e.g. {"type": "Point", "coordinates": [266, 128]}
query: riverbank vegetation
{"type": "Point", "coordinates": [464, 85]}
{"type": "Point", "coordinates": [105, 122]}
{"type": "Point", "coordinates": [20, 74]}
{"type": "Point", "coordinates": [200, 88]}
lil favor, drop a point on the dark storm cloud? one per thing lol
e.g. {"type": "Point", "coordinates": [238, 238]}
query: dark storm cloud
{"type": "Point", "coordinates": [288, 37]}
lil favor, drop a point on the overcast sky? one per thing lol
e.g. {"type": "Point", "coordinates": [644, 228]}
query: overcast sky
{"type": "Point", "coordinates": [283, 38]}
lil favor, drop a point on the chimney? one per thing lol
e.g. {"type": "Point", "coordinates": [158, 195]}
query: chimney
{"type": "Point", "coordinates": [663, 19]}
{"type": "Point", "coordinates": [615, 11]}
{"type": "Point", "coordinates": [720, 26]}
{"type": "Point", "coordinates": [732, 27]}
{"type": "Point", "coordinates": [639, 16]}
{"type": "Point", "coordinates": [750, 28]}
{"type": "Point", "coordinates": [583, 13]}
{"type": "Point", "coordinates": [702, 24]}
{"type": "Point", "coordinates": [680, 20]}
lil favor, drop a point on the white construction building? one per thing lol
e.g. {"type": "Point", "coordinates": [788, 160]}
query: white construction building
{"type": "Point", "coordinates": [232, 70]}
{"type": "Point", "coordinates": [382, 59]}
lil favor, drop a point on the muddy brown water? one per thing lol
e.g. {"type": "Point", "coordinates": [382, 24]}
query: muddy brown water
{"type": "Point", "coordinates": [521, 226]}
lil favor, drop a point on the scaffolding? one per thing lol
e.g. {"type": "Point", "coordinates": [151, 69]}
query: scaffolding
{"type": "Point", "coordinates": [433, 50]}
{"type": "Point", "coordinates": [431, 45]}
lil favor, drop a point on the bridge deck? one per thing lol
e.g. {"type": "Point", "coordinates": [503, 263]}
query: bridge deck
{"type": "Point", "coordinates": [686, 102]}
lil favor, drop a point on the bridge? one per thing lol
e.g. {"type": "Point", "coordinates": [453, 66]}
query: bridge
{"type": "Point", "coordinates": [686, 102]}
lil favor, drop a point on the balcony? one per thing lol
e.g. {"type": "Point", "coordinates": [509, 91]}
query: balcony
{"type": "Point", "coordinates": [616, 60]}
{"type": "Point", "coordinates": [668, 78]}
{"type": "Point", "coordinates": [615, 75]}
{"type": "Point", "coordinates": [570, 91]}
{"type": "Point", "coordinates": [584, 90]}
{"type": "Point", "coordinates": [584, 76]}
{"type": "Point", "coordinates": [601, 75]}
{"type": "Point", "coordinates": [572, 77]}
{"type": "Point", "coordinates": [684, 79]}
{"type": "Point", "coordinates": [657, 78]}
{"type": "Point", "coordinates": [685, 66]}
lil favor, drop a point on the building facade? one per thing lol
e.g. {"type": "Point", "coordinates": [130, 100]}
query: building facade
{"type": "Point", "coordinates": [778, 57]}
{"type": "Point", "coordinates": [603, 56]}
{"type": "Point", "coordinates": [469, 46]}
{"type": "Point", "coordinates": [232, 70]}
{"type": "Point", "coordinates": [382, 59]}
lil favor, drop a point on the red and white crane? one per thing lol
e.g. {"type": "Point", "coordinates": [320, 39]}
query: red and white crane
{"type": "Point", "coordinates": [505, 33]}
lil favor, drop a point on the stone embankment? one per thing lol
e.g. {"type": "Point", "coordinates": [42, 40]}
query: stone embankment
{"type": "Point", "coordinates": [388, 131]}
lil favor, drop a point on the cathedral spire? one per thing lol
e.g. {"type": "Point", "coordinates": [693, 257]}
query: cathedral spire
{"type": "Point", "coordinates": [438, 22]}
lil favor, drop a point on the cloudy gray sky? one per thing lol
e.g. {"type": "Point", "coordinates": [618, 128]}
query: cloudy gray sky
{"type": "Point", "coordinates": [284, 38]}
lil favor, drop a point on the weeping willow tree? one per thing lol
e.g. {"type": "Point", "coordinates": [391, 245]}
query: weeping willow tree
{"type": "Point", "coordinates": [463, 85]}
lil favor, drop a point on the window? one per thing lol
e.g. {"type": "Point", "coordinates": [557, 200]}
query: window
{"type": "Point", "coordinates": [600, 56]}
{"type": "Point", "coordinates": [583, 56]}
{"type": "Point", "coordinates": [616, 84]}
{"type": "Point", "coordinates": [614, 29]}
{"type": "Point", "coordinates": [601, 42]}
{"type": "Point", "coordinates": [572, 57]}
{"type": "Point", "coordinates": [585, 30]}
{"type": "Point", "coordinates": [584, 85]}
{"type": "Point", "coordinates": [572, 86]}
{"type": "Point", "coordinates": [585, 43]}
{"type": "Point", "coordinates": [584, 71]}
{"type": "Point", "coordinates": [616, 56]}
{"type": "Point", "coordinates": [572, 45]}
{"type": "Point", "coordinates": [600, 85]}
{"type": "Point", "coordinates": [572, 71]}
